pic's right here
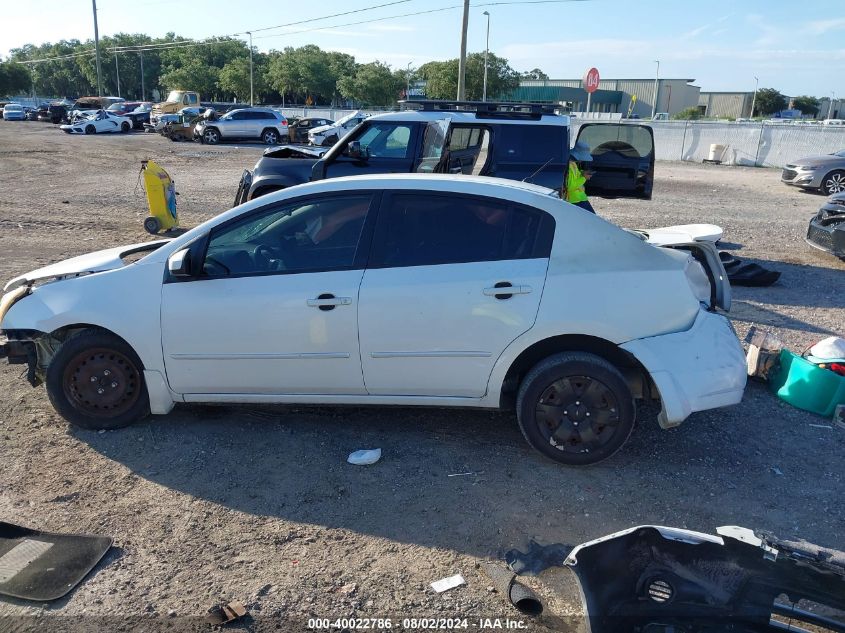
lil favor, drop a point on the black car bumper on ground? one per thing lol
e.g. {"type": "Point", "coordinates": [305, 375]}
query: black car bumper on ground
{"type": "Point", "coordinates": [827, 228]}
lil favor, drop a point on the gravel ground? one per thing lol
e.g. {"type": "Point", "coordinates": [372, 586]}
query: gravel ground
{"type": "Point", "coordinates": [211, 504]}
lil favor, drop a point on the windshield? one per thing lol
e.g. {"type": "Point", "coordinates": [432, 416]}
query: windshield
{"type": "Point", "coordinates": [115, 107]}
{"type": "Point", "coordinates": [348, 117]}
{"type": "Point", "coordinates": [175, 95]}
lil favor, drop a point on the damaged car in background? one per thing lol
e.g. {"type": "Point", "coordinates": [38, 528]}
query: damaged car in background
{"type": "Point", "coordinates": [400, 289]}
{"type": "Point", "coordinates": [827, 228]}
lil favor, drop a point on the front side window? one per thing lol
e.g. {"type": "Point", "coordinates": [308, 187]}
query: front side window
{"type": "Point", "coordinates": [420, 229]}
{"type": "Point", "coordinates": [311, 235]}
{"type": "Point", "coordinates": [386, 140]}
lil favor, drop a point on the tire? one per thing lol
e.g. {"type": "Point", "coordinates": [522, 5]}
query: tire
{"type": "Point", "coordinates": [211, 136]}
{"type": "Point", "coordinates": [90, 129]}
{"type": "Point", "coordinates": [328, 142]}
{"type": "Point", "coordinates": [271, 137]}
{"type": "Point", "coordinates": [559, 384]}
{"type": "Point", "coordinates": [96, 381]}
{"type": "Point", "coordinates": [125, 127]}
{"type": "Point", "coordinates": [833, 183]}
{"type": "Point", "coordinates": [152, 225]}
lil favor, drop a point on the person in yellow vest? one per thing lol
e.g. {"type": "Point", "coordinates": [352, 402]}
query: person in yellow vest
{"type": "Point", "coordinates": [577, 176]}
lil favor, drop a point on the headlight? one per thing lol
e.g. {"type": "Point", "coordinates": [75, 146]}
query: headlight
{"type": "Point", "coordinates": [808, 167]}
{"type": "Point", "coordinates": [10, 298]}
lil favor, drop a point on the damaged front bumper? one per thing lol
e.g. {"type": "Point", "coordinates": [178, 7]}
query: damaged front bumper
{"type": "Point", "coordinates": [827, 230]}
{"type": "Point", "coordinates": [20, 347]}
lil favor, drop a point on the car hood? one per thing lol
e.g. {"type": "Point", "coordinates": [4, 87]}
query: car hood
{"type": "Point", "coordinates": [321, 129]}
{"type": "Point", "coordinates": [295, 151]}
{"type": "Point", "coordinates": [820, 159]}
{"type": "Point", "coordinates": [96, 262]}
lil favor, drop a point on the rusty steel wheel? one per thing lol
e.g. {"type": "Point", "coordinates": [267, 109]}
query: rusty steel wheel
{"type": "Point", "coordinates": [101, 382]}
{"type": "Point", "coordinates": [95, 380]}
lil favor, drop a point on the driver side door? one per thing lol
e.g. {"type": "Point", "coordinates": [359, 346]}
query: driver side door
{"type": "Point", "coordinates": [272, 308]}
{"type": "Point", "coordinates": [390, 149]}
{"type": "Point", "coordinates": [623, 159]}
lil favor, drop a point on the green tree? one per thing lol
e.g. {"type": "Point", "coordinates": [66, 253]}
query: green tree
{"type": "Point", "coordinates": [769, 101]}
{"type": "Point", "coordinates": [234, 79]}
{"type": "Point", "coordinates": [372, 84]}
{"type": "Point", "coordinates": [808, 105]}
{"type": "Point", "coordinates": [14, 78]}
{"type": "Point", "coordinates": [442, 78]}
{"type": "Point", "coordinates": [535, 73]}
{"type": "Point", "coordinates": [305, 72]}
{"type": "Point", "coordinates": [196, 76]}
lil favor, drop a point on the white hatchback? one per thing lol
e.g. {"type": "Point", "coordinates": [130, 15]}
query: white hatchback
{"type": "Point", "coordinates": [397, 290]}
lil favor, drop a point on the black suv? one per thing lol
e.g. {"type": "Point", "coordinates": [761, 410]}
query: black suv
{"type": "Point", "coordinates": [507, 140]}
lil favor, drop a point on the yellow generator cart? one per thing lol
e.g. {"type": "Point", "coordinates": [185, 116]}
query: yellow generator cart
{"type": "Point", "coordinates": [161, 196]}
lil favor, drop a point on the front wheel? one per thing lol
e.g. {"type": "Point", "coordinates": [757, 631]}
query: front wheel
{"type": "Point", "coordinates": [575, 408]}
{"type": "Point", "coordinates": [833, 183]}
{"type": "Point", "coordinates": [125, 127]}
{"type": "Point", "coordinates": [96, 381]}
{"type": "Point", "coordinates": [211, 136]}
{"type": "Point", "coordinates": [90, 129]}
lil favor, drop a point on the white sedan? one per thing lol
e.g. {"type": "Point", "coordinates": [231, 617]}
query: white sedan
{"type": "Point", "coordinates": [98, 123]}
{"type": "Point", "coordinates": [409, 290]}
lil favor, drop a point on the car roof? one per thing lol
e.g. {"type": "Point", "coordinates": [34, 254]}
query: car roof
{"type": "Point", "coordinates": [462, 116]}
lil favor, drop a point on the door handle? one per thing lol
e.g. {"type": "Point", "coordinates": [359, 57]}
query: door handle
{"type": "Point", "coordinates": [328, 301]}
{"type": "Point", "coordinates": [505, 290]}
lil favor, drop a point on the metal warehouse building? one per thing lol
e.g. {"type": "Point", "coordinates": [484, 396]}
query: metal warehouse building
{"type": "Point", "coordinates": [725, 105]}
{"type": "Point", "coordinates": [613, 95]}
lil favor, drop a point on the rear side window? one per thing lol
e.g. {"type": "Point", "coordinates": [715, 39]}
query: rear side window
{"type": "Point", "coordinates": [535, 144]}
{"type": "Point", "coordinates": [422, 229]}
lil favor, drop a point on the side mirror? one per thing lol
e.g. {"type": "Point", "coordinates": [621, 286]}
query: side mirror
{"type": "Point", "coordinates": [179, 264]}
{"type": "Point", "coordinates": [354, 150]}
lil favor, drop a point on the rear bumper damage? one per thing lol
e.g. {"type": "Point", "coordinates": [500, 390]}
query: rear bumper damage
{"type": "Point", "coordinates": [702, 368]}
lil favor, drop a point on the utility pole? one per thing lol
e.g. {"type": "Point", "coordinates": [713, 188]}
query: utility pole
{"type": "Point", "coordinates": [97, 50]}
{"type": "Point", "coordinates": [117, 71]}
{"type": "Point", "coordinates": [486, 52]}
{"type": "Point", "coordinates": [656, 88]}
{"type": "Point", "coordinates": [408, 87]}
{"type": "Point", "coordinates": [143, 97]}
{"type": "Point", "coordinates": [754, 98]}
{"type": "Point", "coordinates": [251, 98]}
{"type": "Point", "coordinates": [830, 109]}
{"type": "Point", "coordinates": [462, 64]}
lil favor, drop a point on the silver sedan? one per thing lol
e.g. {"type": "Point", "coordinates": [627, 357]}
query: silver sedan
{"type": "Point", "coordinates": [825, 173]}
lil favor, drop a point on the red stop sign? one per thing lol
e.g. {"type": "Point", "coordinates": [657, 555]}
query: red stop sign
{"type": "Point", "coordinates": [591, 80]}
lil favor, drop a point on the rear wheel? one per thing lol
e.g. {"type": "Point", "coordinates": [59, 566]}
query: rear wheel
{"type": "Point", "coordinates": [575, 408]}
{"type": "Point", "coordinates": [90, 129]}
{"type": "Point", "coordinates": [125, 127]}
{"type": "Point", "coordinates": [96, 381]}
{"type": "Point", "coordinates": [834, 182]}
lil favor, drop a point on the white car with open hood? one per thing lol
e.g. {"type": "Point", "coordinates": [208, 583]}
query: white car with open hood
{"type": "Point", "coordinates": [393, 289]}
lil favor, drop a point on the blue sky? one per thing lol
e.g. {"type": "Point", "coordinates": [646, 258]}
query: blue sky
{"type": "Point", "coordinates": [722, 44]}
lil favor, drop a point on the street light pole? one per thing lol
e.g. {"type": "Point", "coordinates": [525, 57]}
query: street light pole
{"type": "Point", "coordinates": [830, 109]}
{"type": "Point", "coordinates": [251, 98]}
{"type": "Point", "coordinates": [117, 71]}
{"type": "Point", "coordinates": [486, 52]}
{"type": "Point", "coordinates": [754, 98]}
{"type": "Point", "coordinates": [97, 50]}
{"type": "Point", "coordinates": [408, 86]}
{"type": "Point", "coordinates": [143, 97]}
{"type": "Point", "coordinates": [656, 88]}
{"type": "Point", "coordinates": [462, 62]}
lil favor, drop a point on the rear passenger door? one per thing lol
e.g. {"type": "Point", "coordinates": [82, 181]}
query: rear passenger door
{"type": "Point", "coordinates": [452, 280]}
{"type": "Point", "coordinates": [623, 159]}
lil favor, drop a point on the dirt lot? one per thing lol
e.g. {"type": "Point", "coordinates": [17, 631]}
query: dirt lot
{"type": "Point", "coordinates": [211, 504]}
